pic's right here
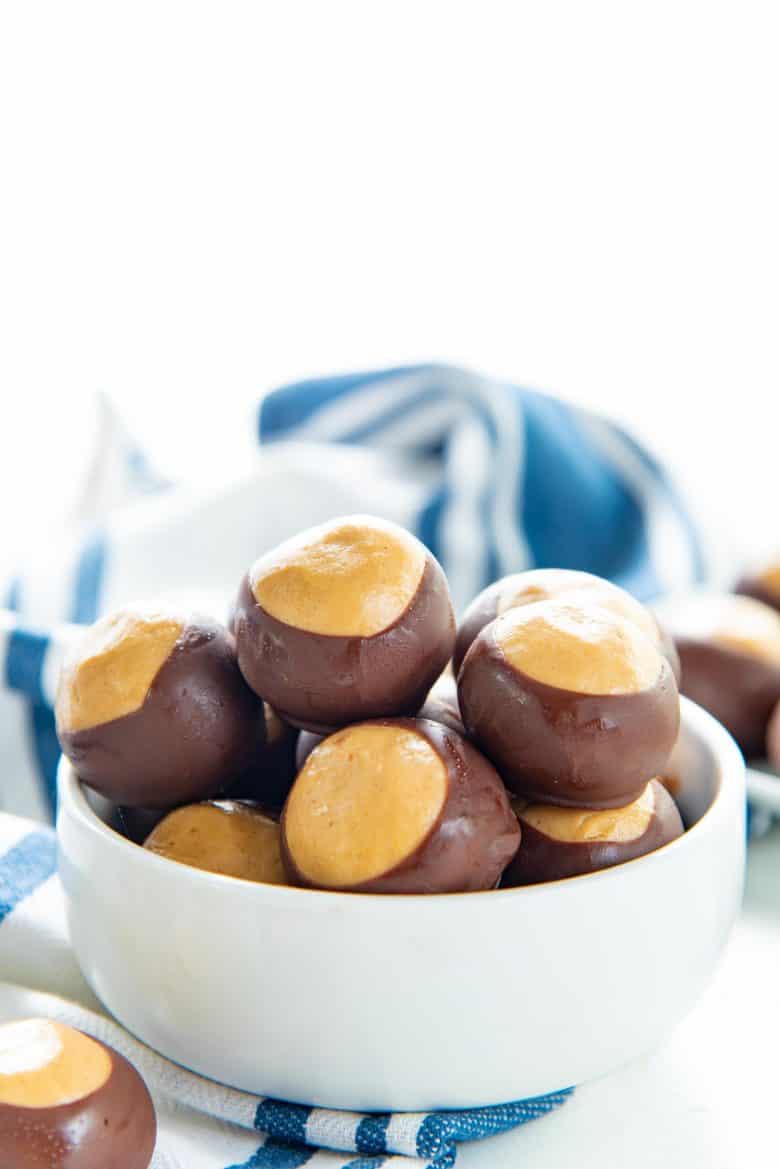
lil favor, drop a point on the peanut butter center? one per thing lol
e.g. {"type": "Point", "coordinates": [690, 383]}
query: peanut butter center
{"type": "Point", "coordinates": [45, 1064]}
{"type": "Point", "coordinates": [354, 578]}
{"type": "Point", "coordinates": [578, 648]}
{"type": "Point", "coordinates": [111, 668]}
{"type": "Point", "coordinates": [737, 623]}
{"type": "Point", "coordinates": [576, 826]}
{"type": "Point", "coordinates": [365, 800]}
{"type": "Point", "coordinates": [222, 837]}
{"type": "Point", "coordinates": [580, 588]}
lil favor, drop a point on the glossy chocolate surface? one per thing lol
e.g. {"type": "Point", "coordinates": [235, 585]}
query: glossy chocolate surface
{"type": "Point", "coordinates": [199, 727]}
{"type": "Point", "coordinates": [544, 858]}
{"type": "Point", "coordinates": [482, 610]}
{"type": "Point", "coordinates": [441, 705]}
{"type": "Point", "coordinates": [136, 823]}
{"type": "Point", "coordinates": [307, 741]}
{"type": "Point", "coordinates": [133, 823]}
{"type": "Point", "coordinates": [270, 775]}
{"type": "Point", "coordinates": [319, 682]}
{"type": "Point", "coordinates": [740, 690]}
{"type": "Point", "coordinates": [476, 833]}
{"type": "Point", "coordinates": [562, 747]}
{"type": "Point", "coordinates": [114, 1127]}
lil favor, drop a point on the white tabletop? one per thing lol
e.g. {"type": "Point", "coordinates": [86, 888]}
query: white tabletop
{"type": "Point", "coordinates": [708, 1098]}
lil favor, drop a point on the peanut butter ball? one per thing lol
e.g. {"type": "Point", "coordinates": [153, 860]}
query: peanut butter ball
{"type": "Point", "coordinates": [729, 647]}
{"type": "Point", "coordinates": [398, 806]}
{"type": "Point", "coordinates": [557, 584]}
{"type": "Point", "coordinates": [152, 709]}
{"type": "Point", "coordinates": [232, 837]}
{"type": "Point", "coordinates": [348, 621]}
{"type": "Point", "coordinates": [69, 1102]}
{"type": "Point", "coordinates": [574, 704]}
{"type": "Point", "coordinates": [569, 842]}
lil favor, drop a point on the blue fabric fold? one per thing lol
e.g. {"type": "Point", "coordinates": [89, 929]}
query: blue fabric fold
{"type": "Point", "coordinates": [545, 484]}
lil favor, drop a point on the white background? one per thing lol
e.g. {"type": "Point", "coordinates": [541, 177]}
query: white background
{"type": "Point", "coordinates": [199, 201]}
{"type": "Point", "coordinates": [202, 200]}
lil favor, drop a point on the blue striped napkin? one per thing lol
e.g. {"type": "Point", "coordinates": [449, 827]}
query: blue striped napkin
{"type": "Point", "coordinates": [203, 1125]}
{"type": "Point", "coordinates": [492, 477]}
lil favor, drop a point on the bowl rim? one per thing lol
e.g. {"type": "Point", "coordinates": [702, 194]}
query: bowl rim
{"type": "Point", "coordinates": [729, 763]}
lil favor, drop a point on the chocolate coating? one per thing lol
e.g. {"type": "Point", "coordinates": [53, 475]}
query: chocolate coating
{"type": "Point", "coordinates": [136, 823]}
{"type": "Point", "coordinates": [761, 587]}
{"type": "Point", "coordinates": [320, 681]}
{"type": "Point", "coordinates": [197, 728]}
{"type": "Point", "coordinates": [729, 647]}
{"type": "Point", "coordinates": [473, 839]}
{"type": "Point", "coordinates": [441, 705]}
{"type": "Point", "coordinates": [307, 741]}
{"type": "Point", "coordinates": [773, 738]}
{"type": "Point", "coordinates": [270, 775]}
{"type": "Point", "coordinates": [740, 690]}
{"type": "Point", "coordinates": [114, 1127]}
{"type": "Point", "coordinates": [482, 610]}
{"type": "Point", "coordinates": [559, 746]}
{"type": "Point", "coordinates": [545, 858]}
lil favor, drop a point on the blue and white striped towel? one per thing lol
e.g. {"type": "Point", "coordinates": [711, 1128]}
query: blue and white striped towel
{"type": "Point", "coordinates": [203, 1125]}
{"type": "Point", "coordinates": [492, 477]}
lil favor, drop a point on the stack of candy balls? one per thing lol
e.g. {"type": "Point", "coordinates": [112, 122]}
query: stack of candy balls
{"type": "Point", "coordinates": [340, 733]}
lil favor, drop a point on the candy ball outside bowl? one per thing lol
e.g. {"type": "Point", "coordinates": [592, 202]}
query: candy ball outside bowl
{"type": "Point", "coordinates": [390, 1002]}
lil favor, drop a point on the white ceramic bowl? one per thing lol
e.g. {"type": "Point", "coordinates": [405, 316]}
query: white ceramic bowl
{"type": "Point", "coordinates": [371, 1002]}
